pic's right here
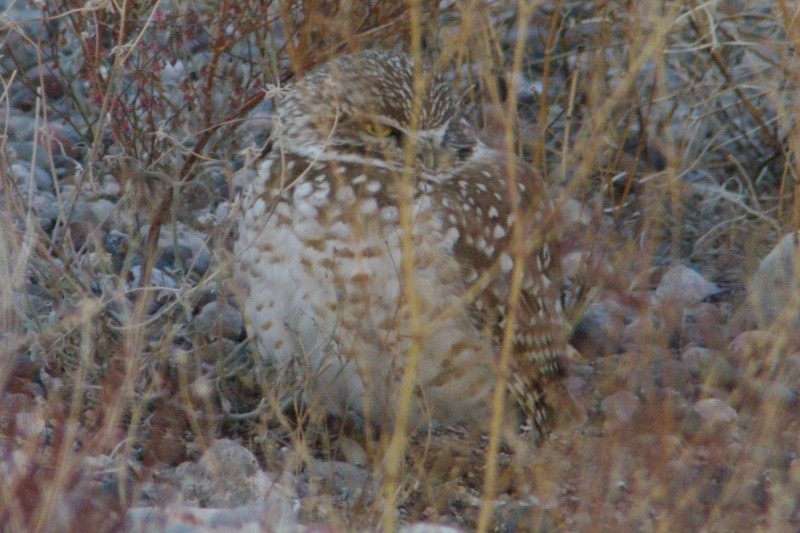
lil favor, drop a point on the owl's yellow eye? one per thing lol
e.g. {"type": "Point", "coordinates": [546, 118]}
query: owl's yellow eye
{"type": "Point", "coordinates": [377, 130]}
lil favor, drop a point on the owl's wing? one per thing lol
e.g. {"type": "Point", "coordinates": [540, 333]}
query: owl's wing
{"type": "Point", "coordinates": [481, 211]}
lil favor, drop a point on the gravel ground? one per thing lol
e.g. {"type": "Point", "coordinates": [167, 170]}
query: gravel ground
{"type": "Point", "coordinates": [688, 394]}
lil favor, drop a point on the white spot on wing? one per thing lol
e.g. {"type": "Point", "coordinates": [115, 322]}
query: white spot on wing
{"type": "Point", "coordinates": [451, 237]}
{"type": "Point", "coordinates": [368, 206]}
{"type": "Point", "coordinates": [302, 190]}
{"type": "Point", "coordinates": [506, 263]}
{"type": "Point", "coordinates": [389, 214]}
{"type": "Point", "coordinates": [320, 197]}
{"type": "Point", "coordinates": [306, 209]}
{"type": "Point", "coordinates": [340, 230]}
{"type": "Point", "coordinates": [346, 195]}
{"type": "Point", "coordinates": [258, 208]}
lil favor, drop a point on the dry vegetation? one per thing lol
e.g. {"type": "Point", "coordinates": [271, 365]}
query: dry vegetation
{"type": "Point", "coordinates": [666, 131]}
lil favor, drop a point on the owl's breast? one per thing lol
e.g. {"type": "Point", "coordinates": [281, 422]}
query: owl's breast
{"type": "Point", "coordinates": [321, 259]}
{"type": "Point", "coordinates": [322, 256]}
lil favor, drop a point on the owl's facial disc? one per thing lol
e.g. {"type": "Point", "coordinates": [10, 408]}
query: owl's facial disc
{"type": "Point", "coordinates": [446, 146]}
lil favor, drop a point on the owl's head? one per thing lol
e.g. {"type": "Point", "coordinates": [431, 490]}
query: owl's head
{"type": "Point", "coordinates": [361, 105]}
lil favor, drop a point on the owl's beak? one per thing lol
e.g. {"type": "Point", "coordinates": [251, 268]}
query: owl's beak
{"type": "Point", "coordinates": [428, 153]}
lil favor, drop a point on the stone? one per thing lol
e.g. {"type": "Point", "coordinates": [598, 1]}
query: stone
{"type": "Point", "coordinates": [683, 286]}
{"type": "Point", "coordinates": [773, 291]}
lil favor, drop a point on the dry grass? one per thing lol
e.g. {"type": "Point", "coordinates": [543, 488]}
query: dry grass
{"type": "Point", "coordinates": [673, 124]}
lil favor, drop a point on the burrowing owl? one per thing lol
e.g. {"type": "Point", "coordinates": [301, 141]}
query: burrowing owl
{"type": "Point", "coordinates": [319, 251]}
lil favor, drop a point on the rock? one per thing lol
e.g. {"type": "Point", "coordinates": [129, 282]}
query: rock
{"type": "Point", "coordinates": [267, 515]}
{"type": "Point", "coordinates": [646, 329]}
{"type": "Point", "coordinates": [228, 476]}
{"type": "Point", "coordinates": [117, 245]}
{"type": "Point", "coordinates": [752, 344]}
{"type": "Point", "coordinates": [752, 351]}
{"type": "Point", "coordinates": [681, 286]}
{"type": "Point", "coordinates": [27, 415]}
{"type": "Point", "coordinates": [599, 331]}
{"type": "Point", "coordinates": [49, 79]}
{"type": "Point", "coordinates": [703, 324]}
{"type": "Point", "coordinates": [667, 405]}
{"type": "Point", "coordinates": [673, 374]}
{"type": "Point", "coordinates": [429, 528]}
{"type": "Point", "coordinates": [574, 214]}
{"type": "Point", "coordinates": [697, 360]}
{"type": "Point", "coordinates": [109, 186]}
{"type": "Point", "coordinates": [779, 399]}
{"type": "Point", "coordinates": [352, 451]}
{"type": "Point", "coordinates": [715, 412]}
{"type": "Point", "coordinates": [229, 458]}
{"type": "Point", "coordinates": [24, 153]}
{"type": "Point", "coordinates": [711, 420]}
{"type": "Point", "coordinates": [520, 516]}
{"type": "Point", "coordinates": [209, 187]}
{"type": "Point", "coordinates": [709, 367]}
{"type": "Point", "coordinates": [158, 278]}
{"type": "Point", "coordinates": [191, 245]}
{"type": "Point", "coordinates": [578, 387]}
{"type": "Point", "coordinates": [82, 223]}
{"type": "Point", "coordinates": [21, 126]}
{"type": "Point", "coordinates": [347, 482]}
{"type": "Point", "coordinates": [791, 371]}
{"type": "Point", "coordinates": [773, 291]}
{"type": "Point", "coordinates": [23, 178]}
{"type": "Point", "coordinates": [31, 181]}
{"type": "Point", "coordinates": [185, 260]}
{"type": "Point", "coordinates": [213, 351]}
{"type": "Point", "coordinates": [102, 209]}
{"type": "Point", "coordinates": [219, 319]}
{"type": "Point", "coordinates": [619, 408]}
{"type": "Point", "coordinates": [60, 140]}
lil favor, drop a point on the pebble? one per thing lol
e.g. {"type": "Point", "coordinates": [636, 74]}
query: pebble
{"type": "Point", "coordinates": [187, 259]}
{"type": "Point", "coordinates": [158, 278]}
{"type": "Point", "coordinates": [24, 152]}
{"type": "Point", "coordinates": [619, 408]}
{"type": "Point", "coordinates": [47, 78]}
{"type": "Point", "coordinates": [703, 324]}
{"type": "Point", "coordinates": [681, 286]}
{"type": "Point", "coordinates": [715, 412]}
{"type": "Point", "coordinates": [697, 360]}
{"type": "Point", "coordinates": [709, 367]}
{"type": "Point", "coordinates": [102, 209]}
{"type": "Point", "coordinates": [779, 398]}
{"type": "Point", "coordinates": [791, 371]}
{"type": "Point", "coordinates": [773, 285]}
{"type": "Point", "coordinates": [352, 451]}
{"type": "Point", "coordinates": [429, 528]}
{"type": "Point", "coordinates": [752, 351]}
{"type": "Point", "coordinates": [599, 331]}
{"type": "Point", "coordinates": [219, 319]}
{"type": "Point", "coordinates": [645, 329]}
{"type": "Point", "coordinates": [672, 373]}
{"type": "Point", "coordinates": [177, 518]}
{"type": "Point", "coordinates": [60, 140]}
{"type": "Point", "coordinates": [19, 126]}
{"type": "Point", "coordinates": [192, 248]}
{"type": "Point", "coordinates": [348, 482]}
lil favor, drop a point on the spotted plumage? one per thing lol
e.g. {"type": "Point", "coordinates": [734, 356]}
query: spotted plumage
{"type": "Point", "coordinates": [319, 253]}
